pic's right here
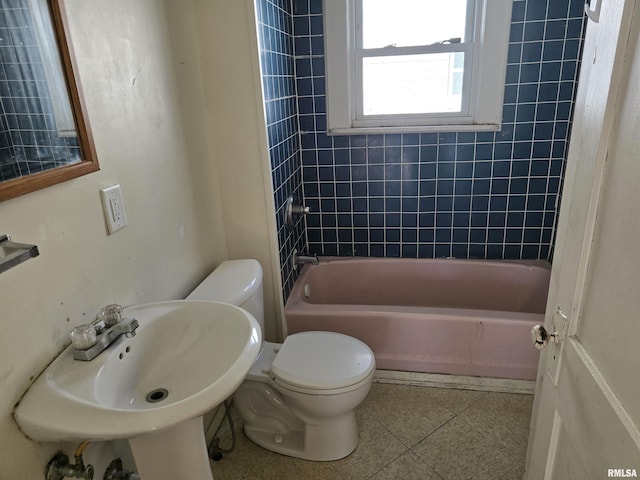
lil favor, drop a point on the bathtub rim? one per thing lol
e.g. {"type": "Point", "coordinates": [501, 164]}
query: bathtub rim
{"type": "Point", "coordinates": [297, 305]}
{"type": "Point", "coordinates": [525, 262]}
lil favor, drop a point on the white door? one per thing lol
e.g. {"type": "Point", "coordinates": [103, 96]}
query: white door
{"type": "Point", "coordinates": [586, 416]}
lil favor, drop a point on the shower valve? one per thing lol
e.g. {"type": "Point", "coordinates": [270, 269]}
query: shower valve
{"type": "Point", "coordinates": [293, 210]}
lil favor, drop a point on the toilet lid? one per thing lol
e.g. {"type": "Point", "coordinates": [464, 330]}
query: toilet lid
{"type": "Point", "coordinates": [322, 361]}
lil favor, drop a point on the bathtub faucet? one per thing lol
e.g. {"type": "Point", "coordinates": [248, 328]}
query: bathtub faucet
{"type": "Point", "coordinates": [304, 259]}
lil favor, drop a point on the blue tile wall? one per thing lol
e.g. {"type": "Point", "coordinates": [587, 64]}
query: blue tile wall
{"type": "Point", "coordinates": [466, 194]}
{"type": "Point", "coordinates": [277, 62]}
{"type": "Point", "coordinates": [29, 140]}
{"type": "Point", "coordinates": [8, 165]}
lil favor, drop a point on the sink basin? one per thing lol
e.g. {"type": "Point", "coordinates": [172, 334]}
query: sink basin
{"type": "Point", "coordinates": [186, 358]}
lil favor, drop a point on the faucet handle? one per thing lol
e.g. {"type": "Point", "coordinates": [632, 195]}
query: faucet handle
{"type": "Point", "coordinates": [83, 337]}
{"type": "Point", "coordinates": [110, 315]}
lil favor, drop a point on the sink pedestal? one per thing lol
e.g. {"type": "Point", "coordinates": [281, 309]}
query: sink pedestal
{"type": "Point", "coordinates": [174, 453]}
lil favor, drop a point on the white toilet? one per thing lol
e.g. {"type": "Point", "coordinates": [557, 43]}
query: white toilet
{"type": "Point", "coordinates": [299, 397]}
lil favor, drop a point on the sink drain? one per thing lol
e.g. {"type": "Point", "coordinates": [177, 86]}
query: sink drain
{"type": "Point", "coordinates": [157, 395]}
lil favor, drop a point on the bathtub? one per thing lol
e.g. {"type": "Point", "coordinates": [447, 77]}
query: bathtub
{"type": "Point", "coordinates": [444, 316]}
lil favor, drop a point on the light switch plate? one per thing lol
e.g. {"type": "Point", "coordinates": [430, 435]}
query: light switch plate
{"type": "Point", "coordinates": [113, 208]}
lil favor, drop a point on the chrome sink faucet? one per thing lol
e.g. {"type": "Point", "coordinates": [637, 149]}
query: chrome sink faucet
{"type": "Point", "coordinates": [90, 340]}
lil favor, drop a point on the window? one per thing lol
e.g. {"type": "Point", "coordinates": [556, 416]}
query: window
{"type": "Point", "coordinates": [415, 65]}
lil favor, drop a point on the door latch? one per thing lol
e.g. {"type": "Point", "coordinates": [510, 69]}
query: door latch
{"type": "Point", "coordinates": [540, 337]}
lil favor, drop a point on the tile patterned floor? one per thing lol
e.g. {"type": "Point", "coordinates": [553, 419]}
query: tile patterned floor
{"type": "Point", "coordinates": [407, 433]}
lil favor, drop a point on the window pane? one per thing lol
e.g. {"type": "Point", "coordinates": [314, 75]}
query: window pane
{"type": "Point", "coordinates": [412, 22]}
{"type": "Point", "coordinates": [411, 84]}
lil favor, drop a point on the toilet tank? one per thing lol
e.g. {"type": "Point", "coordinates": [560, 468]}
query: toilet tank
{"type": "Point", "coordinates": [238, 282]}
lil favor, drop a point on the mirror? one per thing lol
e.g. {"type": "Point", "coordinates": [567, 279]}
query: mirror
{"type": "Point", "coordinates": [44, 134]}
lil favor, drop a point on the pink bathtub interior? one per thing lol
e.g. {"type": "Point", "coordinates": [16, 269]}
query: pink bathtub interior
{"type": "Point", "coordinates": [462, 317]}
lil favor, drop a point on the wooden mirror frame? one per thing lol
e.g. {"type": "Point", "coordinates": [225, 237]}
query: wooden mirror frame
{"type": "Point", "coordinates": [89, 160]}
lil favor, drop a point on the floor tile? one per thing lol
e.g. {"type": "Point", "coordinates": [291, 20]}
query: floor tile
{"type": "Point", "coordinates": [376, 449]}
{"type": "Point", "coordinates": [505, 418]}
{"type": "Point", "coordinates": [458, 451]}
{"type": "Point", "coordinates": [407, 467]}
{"type": "Point", "coordinates": [456, 400]}
{"type": "Point", "coordinates": [411, 413]}
{"type": "Point", "coordinates": [515, 471]}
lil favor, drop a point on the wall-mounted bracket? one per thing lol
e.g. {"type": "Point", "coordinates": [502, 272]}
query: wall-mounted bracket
{"type": "Point", "coordinates": [12, 253]}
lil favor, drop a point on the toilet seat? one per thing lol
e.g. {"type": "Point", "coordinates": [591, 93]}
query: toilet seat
{"type": "Point", "coordinates": [322, 363]}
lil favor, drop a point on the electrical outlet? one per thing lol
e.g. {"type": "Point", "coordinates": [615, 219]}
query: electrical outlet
{"type": "Point", "coordinates": [113, 208]}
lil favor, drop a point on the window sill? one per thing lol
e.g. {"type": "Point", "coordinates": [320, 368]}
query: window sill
{"type": "Point", "coordinates": [485, 127]}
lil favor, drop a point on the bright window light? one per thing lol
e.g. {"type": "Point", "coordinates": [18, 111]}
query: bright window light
{"type": "Point", "coordinates": [405, 23]}
{"type": "Point", "coordinates": [412, 84]}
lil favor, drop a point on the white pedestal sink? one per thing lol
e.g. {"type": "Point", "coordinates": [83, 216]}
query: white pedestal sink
{"type": "Point", "coordinates": [186, 358]}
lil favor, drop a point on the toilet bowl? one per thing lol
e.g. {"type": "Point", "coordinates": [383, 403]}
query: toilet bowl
{"type": "Point", "coordinates": [299, 396]}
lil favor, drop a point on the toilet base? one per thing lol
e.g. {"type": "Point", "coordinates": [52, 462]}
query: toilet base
{"type": "Point", "coordinates": [330, 440]}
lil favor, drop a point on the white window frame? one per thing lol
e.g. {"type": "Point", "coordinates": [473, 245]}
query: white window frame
{"type": "Point", "coordinates": [483, 84]}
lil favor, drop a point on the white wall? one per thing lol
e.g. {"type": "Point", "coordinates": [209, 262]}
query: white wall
{"type": "Point", "coordinates": [230, 62]}
{"type": "Point", "coordinates": [142, 78]}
